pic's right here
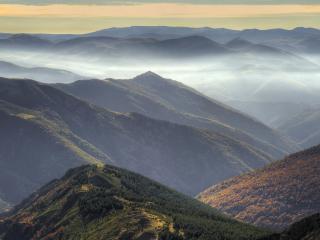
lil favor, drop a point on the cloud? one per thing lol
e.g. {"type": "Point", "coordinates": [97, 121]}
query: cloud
{"type": "Point", "coordinates": [81, 17]}
{"type": "Point", "coordinates": [130, 2]}
{"type": "Point", "coordinates": [159, 10]}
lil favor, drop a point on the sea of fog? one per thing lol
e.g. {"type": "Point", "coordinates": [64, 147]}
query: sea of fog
{"type": "Point", "coordinates": [240, 78]}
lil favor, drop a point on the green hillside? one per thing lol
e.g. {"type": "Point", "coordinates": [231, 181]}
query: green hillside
{"type": "Point", "coordinates": [92, 202]}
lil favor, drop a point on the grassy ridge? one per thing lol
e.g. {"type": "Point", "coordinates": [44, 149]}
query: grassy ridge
{"type": "Point", "coordinates": [93, 202]}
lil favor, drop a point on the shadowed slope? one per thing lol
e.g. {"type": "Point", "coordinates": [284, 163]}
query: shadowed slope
{"type": "Point", "coordinates": [165, 99]}
{"type": "Point", "coordinates": [56, 131]}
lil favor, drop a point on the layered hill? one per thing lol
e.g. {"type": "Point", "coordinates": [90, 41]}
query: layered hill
{"type": "Point", "coordinates": [191, 46]}
{"type": "Point", "coordinates": [165, 99]}
{"type": "Point", "coordinates": [274, 197]}
{"type": "Point", "coordinates": [24, 41]}
{"type": "Point", "coordinates": [48, 75]}
{"type": "Point", "coordinates": [303, 127]}
{"type": "Point", "coordinates": [110, 203]}
{"type": "Point", "coordinates": [221, 35]}
{"type": "Point", "coordinates": [141, 48]}
{"type": "Point", "coordinates": [45, 131]}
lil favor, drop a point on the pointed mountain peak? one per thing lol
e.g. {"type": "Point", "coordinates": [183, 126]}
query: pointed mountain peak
{"type": "Point", "coordinates": [148, 76]}
{"type": "Point", "coordinates": [151, 79]}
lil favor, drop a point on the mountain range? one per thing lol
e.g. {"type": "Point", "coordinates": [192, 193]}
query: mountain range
{"type": "Point", "coordinates": [56, 131]}
{"type": "Point", "coordinates": [298, 40]}
{"type": "Point", "coordinates": [165, 99]}
{"type": "Point", "coordinates": [191, 46]}
{"type": "Point", "coordinates": [302, 40]}
{"type": "Point", "coordinates": [115, 153]}
{"type": "Point", "coordinates": [221, 35]}
{"type": "Point", "coordinates": [275, 196]}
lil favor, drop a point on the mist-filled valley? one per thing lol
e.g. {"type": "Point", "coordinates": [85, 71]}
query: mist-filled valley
{"type": "Point", "coordinates": [245, 70]}
{"type": "Point", "coordinates": [185, 133]}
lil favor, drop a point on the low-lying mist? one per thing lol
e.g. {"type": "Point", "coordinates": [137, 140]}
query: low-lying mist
{"type": "Point", "coordinates": [236, 79]}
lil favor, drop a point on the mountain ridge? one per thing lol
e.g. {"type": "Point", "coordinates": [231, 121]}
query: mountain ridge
{"type": "Point", "coordinates": [71, 132]}
{"type": "Point", "coordinates": [166, 99]}
{"type": "Point", "coordinates": [42, 74]}
{"type": "Point", "coordinates": [93, 202]}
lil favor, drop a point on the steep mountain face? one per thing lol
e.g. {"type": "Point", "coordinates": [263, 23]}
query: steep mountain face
{"type": "Point", "coordinates": [303, 127]}
{"type": "Point", "coordinates": [274, 197]}
{"type": "Point", "coordinates": [165, 99]}
{"type": "Point", "coordinates": [56, 131]}
{"type": "Point", "coordinates": [48, 75]}
{"type": "Point", "coordinates": [110, 203]}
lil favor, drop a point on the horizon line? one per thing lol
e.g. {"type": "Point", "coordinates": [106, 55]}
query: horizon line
{"type": "Point", "coordinates": [163, 26]}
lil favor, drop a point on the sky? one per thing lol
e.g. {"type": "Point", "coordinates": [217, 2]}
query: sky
{"type": "Point", "coordinates": [81, 16]}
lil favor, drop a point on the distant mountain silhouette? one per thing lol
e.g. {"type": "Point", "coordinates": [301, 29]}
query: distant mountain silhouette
{"type": "Point", "coordinates": [24, 41]}
{"type": "Point", "coordinates": [217, 34]}
{"type": "Point", "coordinates": [42, 74]}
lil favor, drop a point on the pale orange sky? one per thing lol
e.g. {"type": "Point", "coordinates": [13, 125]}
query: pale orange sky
{"type": "Point", "coordinates": [37, 18]}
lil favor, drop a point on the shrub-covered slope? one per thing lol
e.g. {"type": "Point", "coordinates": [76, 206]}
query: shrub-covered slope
{"type": "Point", "coordinates": [276, 196]}
{"type": "Point", "coordinates": [110, 203]}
